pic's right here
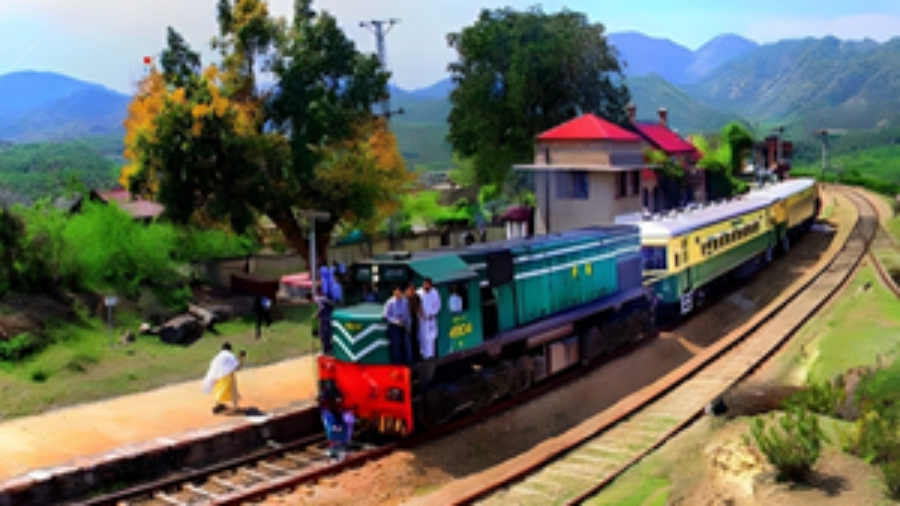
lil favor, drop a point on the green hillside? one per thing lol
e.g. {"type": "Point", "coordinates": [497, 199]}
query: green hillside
{"type": "Point", "coordinates": [422, 130]}
{"type": "Point", "coordinates": [686, 114]}
{"type": "Point", "coordinates": [813, 83]}
{"type": "Point", "coordinates": [34, 171]}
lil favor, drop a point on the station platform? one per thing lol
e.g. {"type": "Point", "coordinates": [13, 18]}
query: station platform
{"type": "Point", "coordinates": [36, 447]}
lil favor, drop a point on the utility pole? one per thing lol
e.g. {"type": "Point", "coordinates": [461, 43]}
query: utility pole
{"type": "Point", "coordinates": [823, 136]}
{"type": "Point", "coordinates": [381, 28]}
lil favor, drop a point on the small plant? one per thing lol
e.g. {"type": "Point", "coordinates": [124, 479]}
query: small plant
{"type": "Point", "coordinates": [80, 362]}
{"type": "Point", "coordinates": [792, 444]}
{"type": "Point", "coordinates": [889, 472]}
{"type": "Point", "coordinates": [39, 376]}
{"type": "Point", "coordinates": [18, 347]}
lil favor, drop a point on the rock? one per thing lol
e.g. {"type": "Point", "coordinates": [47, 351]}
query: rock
{"type": "Point", "coordinates": [127, 338]}
{"type": "Point", "coordinates": [205, 315]}
{"type": "Point", "coordinates": [183, 329]}
{"type": "Point", "coordinates": [145, 329]}
{"type": "Point", "coordinates": [739, 468]}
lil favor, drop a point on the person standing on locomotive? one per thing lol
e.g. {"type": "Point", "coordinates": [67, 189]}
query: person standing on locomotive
{"type": "Point", "coordinates": [428, 328]}
{"type": "Point", "coordinates": [396, 312]}
{"type": "Point", "coordinates": [414, 306]}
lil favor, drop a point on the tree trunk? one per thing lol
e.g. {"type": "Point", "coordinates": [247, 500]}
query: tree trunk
{"type": "Point", "coordinates": [294, 236]}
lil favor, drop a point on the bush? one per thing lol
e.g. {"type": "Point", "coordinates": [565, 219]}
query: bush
{"type": "Point", "coordinates": [824, 398]}
{"type": "Point", "coordinates": [39, 376]}
{"type": "Point", "coordinates": [889, 472]}
{"type": "Point", "coordinates": [18, 347]}
{"type": "Point", "coordinates": [80, 362]}
{"type": "Point", "coordinates": [792, 444]}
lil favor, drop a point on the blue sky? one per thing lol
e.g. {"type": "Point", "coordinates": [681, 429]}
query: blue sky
{"type": "Point", "coordinates": [105, 40]}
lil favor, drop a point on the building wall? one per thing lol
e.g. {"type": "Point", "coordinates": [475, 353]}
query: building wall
{"type": "Point", "coordinates": [577, 153]}
{"type": "Point", "coordinates": [601, 207]}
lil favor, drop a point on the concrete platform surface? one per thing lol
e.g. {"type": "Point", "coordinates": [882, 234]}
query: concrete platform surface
{"type": "Point", "coordinates": [73, 434]}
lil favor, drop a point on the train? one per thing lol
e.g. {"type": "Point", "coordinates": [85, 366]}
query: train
{"type": "Point", "coordinates": [534, 307]}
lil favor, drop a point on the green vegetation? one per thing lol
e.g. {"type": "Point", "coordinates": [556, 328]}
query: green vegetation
{"type": "Point", "coordinates": [792, 442]}
{"type": "Point", "coordinates": [48, 170]}
{"type": "Point", "coordinates": [103, 249]}
{"type": "Point", "coordinates": [85, 363]}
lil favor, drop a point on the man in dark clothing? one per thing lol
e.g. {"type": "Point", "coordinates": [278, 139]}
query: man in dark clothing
{"type": "Point", "coordinates": [263, 309]}
{"type": "Point", "coordinates": [325, 308]}
{"type": "Point", "coordinates": [396, 313]}
{"type": "Point", "coordinates": [414, 306]}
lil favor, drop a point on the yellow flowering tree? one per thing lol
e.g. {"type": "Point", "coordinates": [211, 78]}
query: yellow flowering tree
{"type": "Point", "coordinates": [216, 146]}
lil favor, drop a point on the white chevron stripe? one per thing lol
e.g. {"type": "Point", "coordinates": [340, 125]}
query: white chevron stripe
{"type": "Point", "coordinates": [358, 337]}
{"type": "Point", "coordinates": [369, 349]}
{"type": "Point", "coordinates": [569, 265]}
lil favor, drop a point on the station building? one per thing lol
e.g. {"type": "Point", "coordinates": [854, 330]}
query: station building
{"type": "Point", "coordinates": [589, 170]}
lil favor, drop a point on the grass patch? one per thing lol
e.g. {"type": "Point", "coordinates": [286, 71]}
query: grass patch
{"type": "Point", "coordinates": [863, 324]}
{"type": "Point", "coordinates": [85, 363]}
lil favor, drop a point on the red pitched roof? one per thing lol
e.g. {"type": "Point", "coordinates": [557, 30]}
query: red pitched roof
{"type": "Point", "coordinates": [588, 127]}
{"type": "Point", "coordinates": [665, 139]}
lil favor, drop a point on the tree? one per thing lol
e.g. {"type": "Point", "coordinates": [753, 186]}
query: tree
{"type": "Point", "coordinates": [223, 148]}
{"type": "Point", "coordinates": [724, 161]}
{"type": "Point", "coordinates": [520, 73]}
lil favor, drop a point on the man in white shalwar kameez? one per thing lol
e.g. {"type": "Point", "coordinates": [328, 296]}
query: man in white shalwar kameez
{"type": "Point", "coordinates": [428, 326]}
{"type": "Point", "coordinates": [221, 379]}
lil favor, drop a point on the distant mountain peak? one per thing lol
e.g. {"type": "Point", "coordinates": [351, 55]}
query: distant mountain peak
{"type": "Point", "coordinates": [645, 54]}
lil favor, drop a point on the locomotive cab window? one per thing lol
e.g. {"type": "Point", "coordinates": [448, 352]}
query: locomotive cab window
{"type": "Point", "coordinates": [458, 301]}
{"type": "Point", "coordinates": [654, 258]}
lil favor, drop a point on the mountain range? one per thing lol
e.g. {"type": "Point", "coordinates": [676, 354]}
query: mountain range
{"type": "Point", "coordinates": [804, 84]}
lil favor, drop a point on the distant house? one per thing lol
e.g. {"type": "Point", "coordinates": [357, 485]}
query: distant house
{"type": "Point", "coordinates": [139, 209]}
{"type": "Point", "coordinates": [659, 194]}
{"type": "Point", "coordinates": [587, 171]}
{"type": "Point", "coordinates": [774, 155]}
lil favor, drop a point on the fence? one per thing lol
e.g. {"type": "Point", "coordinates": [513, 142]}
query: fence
{"type": "Point", "coordinates": [218, 272]}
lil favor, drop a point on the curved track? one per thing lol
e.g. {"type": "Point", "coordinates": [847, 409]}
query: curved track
{"type": "Point", "coordinates": [571, 475]}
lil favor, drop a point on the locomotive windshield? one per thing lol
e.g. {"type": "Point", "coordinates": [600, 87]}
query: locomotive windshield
{"type": "Point", "coordinates": [654, 258]}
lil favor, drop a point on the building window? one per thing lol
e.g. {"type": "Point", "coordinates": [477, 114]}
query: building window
{"type": "Point", "coordinates": [572, 185]}
{"type": "Point", "coordinates": [635, 177]}
{"type": "Point", "coordinates": [621, 184]}
{"type": "Point", "coordinates": [547, 156]}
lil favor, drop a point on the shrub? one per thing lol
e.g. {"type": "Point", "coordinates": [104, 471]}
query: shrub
{"type": "Point", "coordinates": [875, 439]}
{"type": "Point", "coordinates": [792, 443]}
{"type": "Point", "coordinates": [889, 472]}
{"type": "Point", "coordinates": [80, 362]}
{"type": "Point", "coordinates": [18, 347]}
{"type": "Point", "coordinates": [39, 376]}
{"type": "Point", "coordinates": [824, 398]}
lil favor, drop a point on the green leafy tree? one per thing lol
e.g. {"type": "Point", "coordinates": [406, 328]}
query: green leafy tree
{"type": "Point", "coordinates": [520, 73]}
{"type": "Point", "coordinates": [724, 159]}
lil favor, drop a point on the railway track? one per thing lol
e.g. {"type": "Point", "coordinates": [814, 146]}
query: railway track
{"type": "Point", "coordinates": [882, 241]}
{"type": "Point", "coordinates": [579, 470]}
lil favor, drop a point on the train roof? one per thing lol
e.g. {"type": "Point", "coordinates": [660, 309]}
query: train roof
{"type": "Point", "coordinates": [678, 223]}
{"type": "Point", "coordinates": [682, 221]}
{"type": "Point", "coordinates": [784, 189]}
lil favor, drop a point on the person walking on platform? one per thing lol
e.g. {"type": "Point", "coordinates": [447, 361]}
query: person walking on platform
{"type": "Point", "coordinates": [428, 328]}
{"type": "Point", "coordinates": [221, 380]}
{"type": "Point", "coordinates": [324, 310]}
{"type": "Point", "coordinates": [414, 307]}
{"type": "Point", "coordinates": [396, 313]}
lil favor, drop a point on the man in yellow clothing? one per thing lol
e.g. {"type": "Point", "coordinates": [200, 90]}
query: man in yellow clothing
{"type": "Point", "coordinates": [221, 380]}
